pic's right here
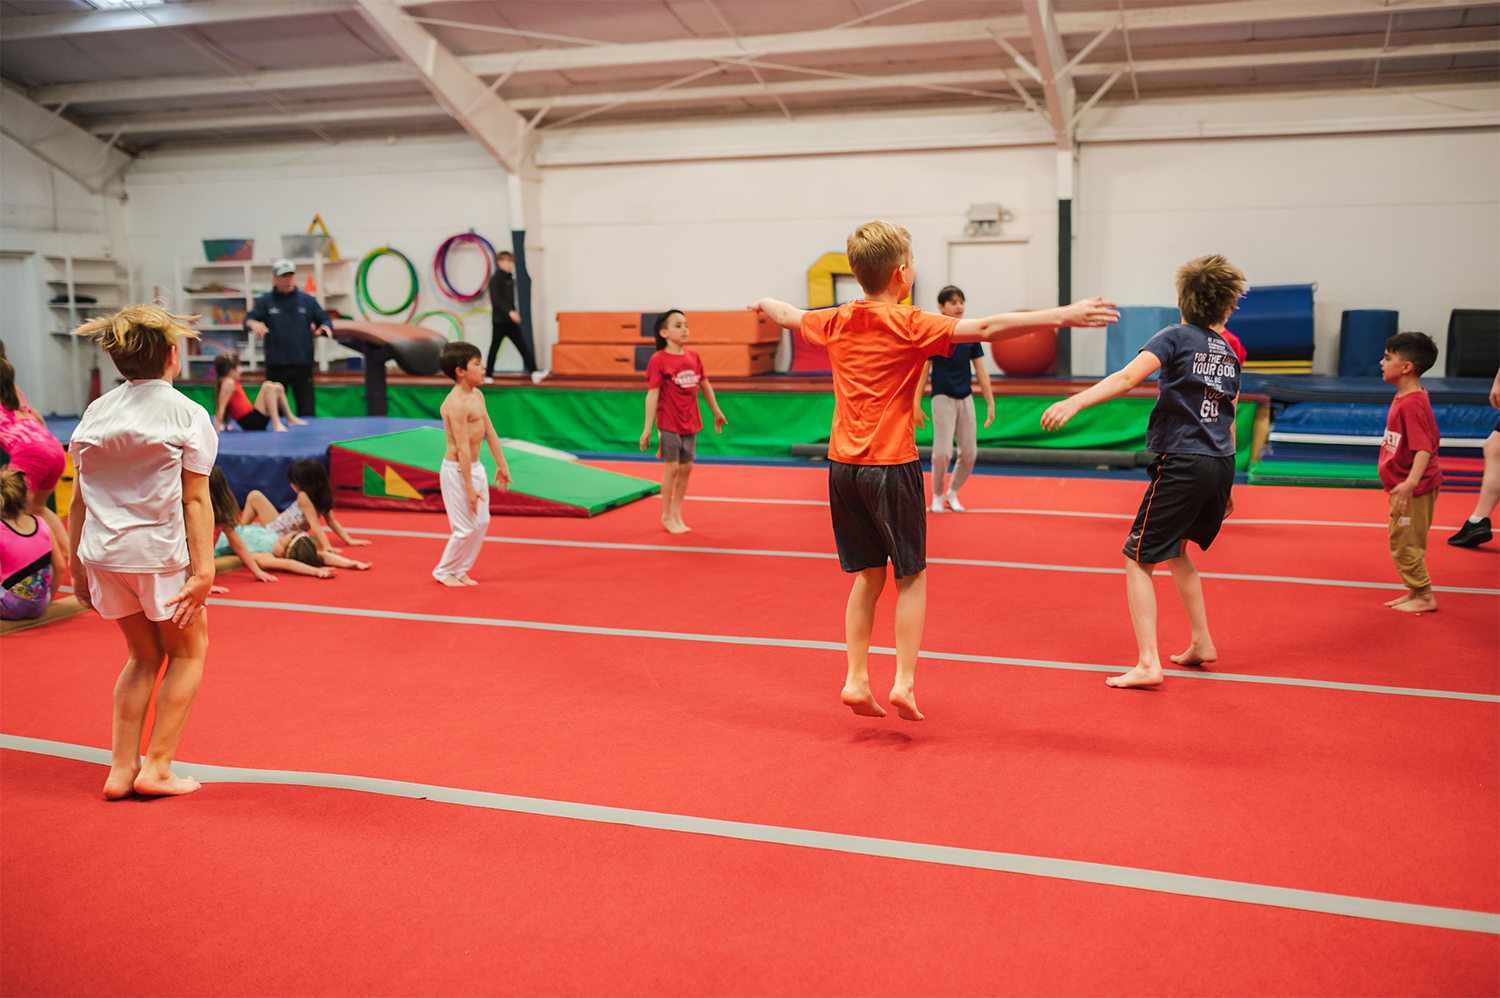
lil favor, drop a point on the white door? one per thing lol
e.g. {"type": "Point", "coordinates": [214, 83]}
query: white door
{"type": "Point", "coordinates": [993, 279]}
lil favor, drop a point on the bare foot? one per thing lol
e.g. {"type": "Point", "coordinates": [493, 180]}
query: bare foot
{"type": "Point", "coordinates": [1417, 604]}
{"type": "Point", "coordinates": [295, 421]}
{"type": "Point", "coordinates": [905, 702]}
{"type": "Point", "coordinates": [171, 785]}
{"type": "Point", "coordinates": [120, 783]}
{"type": "Point", "coordinates": [677, 527]}
{"type": "Point", "coordinates": [861, 701]}
{"type": "Point", "coordinates": [279, 428]}
{"type": "Point", "coordinates": [363, 566]}
{"type": "Point", "coordinates": [1197, 655]}
{"type": "Point", "coordinates": [452, 581]}
{"type": "Point", "coordinates": [1401, 599]}
{"type": "Point", "coordinates": [466, 580]}
{"type": "Point", "coordinates": [1141, 675]}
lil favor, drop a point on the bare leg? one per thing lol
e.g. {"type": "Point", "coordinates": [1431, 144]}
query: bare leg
{"type": "Point", "coordinates": [668, 489]}
{"type": "Point", "coordinates": [911, 615]}
{"type": "Point", "coordinates": [1200, 650]}
{"type": "Point", "coordinates": [286, 407]}
{"type": "Point", "coordinates": [339, 561]}
{"type": "Point", "coordinates": [1140, 594]}
{"type": "Point", "coordinates": [1489, 486]}
{"type": "Point", "coordinates": [267, 404]}
{"type": "Point", "coordinates": [132, 697]}
{"type": "Point", "coordinates": [859, 620]}
{"type": "Point", "coordinates": [186, 650]}
{"type": "Point", "coordinates": [257, 507]}
{"type": "Point", "coordinates": [679, 492]}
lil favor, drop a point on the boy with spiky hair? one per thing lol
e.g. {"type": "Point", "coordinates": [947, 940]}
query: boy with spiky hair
{"type": "Point", "coordinates": [1192, 432]}
{"type": "Point", "coordinates": [465, 489]}
{"type": "Point", "coordinates": [1409, 465]}
{"type": "Point", "coordinates": [141, 527]}
{"type": "Point", "coordinates": [877, 347]}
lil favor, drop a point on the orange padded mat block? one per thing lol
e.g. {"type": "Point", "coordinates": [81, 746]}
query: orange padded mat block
{"type": "Point", "coordinates": [595, 358]}
{"type": "Point", "coordinates": [738, 360]}
{"type": "Point", "coordinates": [743, 326]}
{"type": "Point", "coordinates": [599, 327]}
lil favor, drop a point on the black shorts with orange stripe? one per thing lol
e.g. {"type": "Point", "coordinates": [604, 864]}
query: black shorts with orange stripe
{"type": "Point", "coordinates": [1186, 502]}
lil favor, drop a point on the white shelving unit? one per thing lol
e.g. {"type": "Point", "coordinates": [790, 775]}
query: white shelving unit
{"type": "Point", "coordinates": [333, 282]}
{"type": "Point", "coordinates": [103, 279]}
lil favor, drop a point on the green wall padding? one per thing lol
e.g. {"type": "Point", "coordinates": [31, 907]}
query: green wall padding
{"type": "Point", "coordinates": [761, 424]}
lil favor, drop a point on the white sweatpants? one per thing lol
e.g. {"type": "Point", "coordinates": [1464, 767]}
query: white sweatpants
{"type": "Point", "coordinates": [950, 416]}
{"type": "Point", "coordinates": [468, 528]}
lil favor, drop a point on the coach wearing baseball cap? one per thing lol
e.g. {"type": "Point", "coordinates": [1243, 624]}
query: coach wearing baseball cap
{"type": "Point", "coordinates": [288, 319]}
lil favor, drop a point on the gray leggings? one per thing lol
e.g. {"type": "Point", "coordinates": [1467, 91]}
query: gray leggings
{"type": "Point", "coordinates": [952, 416]}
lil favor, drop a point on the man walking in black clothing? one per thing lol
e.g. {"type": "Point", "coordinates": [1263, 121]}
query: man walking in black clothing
{"type": "Point", "coordinates": [505, 321]}
{"type": "Point", "coordinates": [288, 319]}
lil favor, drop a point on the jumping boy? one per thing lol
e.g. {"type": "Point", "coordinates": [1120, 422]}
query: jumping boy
{"type": "Point", "coordinates": [876, 348]}
{"type": "Point", "coordinates": [1192, 432]}
{"type": "Point", "coordinates": [1409, 465]}
{"type": "Point", "coordinates": [465, 489]}
{"type": "Point", "coordinates": [141, 525]}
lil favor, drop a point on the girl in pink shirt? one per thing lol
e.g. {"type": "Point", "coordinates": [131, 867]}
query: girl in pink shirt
{"type": "Point", "coordinates": [34, 452]}
{"type": "Point", "coordinates": [28, 561]}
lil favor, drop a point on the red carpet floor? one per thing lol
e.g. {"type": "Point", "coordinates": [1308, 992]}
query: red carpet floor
{"type": "Point", "coordinates": [298, 890]}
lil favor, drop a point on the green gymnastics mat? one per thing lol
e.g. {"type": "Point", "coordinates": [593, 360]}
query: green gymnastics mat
{"type": "Point", "coordinates": [1330, 474]}
{"type": "Point", "coordinates": [400, 471]}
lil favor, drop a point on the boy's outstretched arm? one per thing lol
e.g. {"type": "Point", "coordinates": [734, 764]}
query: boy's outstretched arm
{"type": "Point", "coordinates": [1112, 386]}
{"type": "Point", "coordinates": [784, 315]}
{"type": "Point", "coordinates": [1081, 314]}
{"type": "Point", "coordinates": [502, 470]}
{"type": "Point", "coordinates": [713, 404]}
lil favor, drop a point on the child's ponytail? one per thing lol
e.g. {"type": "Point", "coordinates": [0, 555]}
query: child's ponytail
{"type": "Point", "coordinates": [661, 323]}
{"type": "Point", "coordinates": [309, 477]}
{"type": "Point", "coordinates": [8, 395]}
{"type": "Point", "coordinates": [224, 363]}
{"type": "Point", "coordinates": [226, 507]}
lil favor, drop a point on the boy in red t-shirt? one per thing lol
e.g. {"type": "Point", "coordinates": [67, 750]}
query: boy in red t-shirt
{"type": "Point", "coordinates": [1409, 465]}
{"type": "Point", "coordinates": [876, 348]}
{"type": "Point", "coordinates": [673, 378]}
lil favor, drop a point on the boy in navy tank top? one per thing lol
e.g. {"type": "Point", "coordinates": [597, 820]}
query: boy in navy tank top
{"type": "Point", "coordinates": [1192, 432]}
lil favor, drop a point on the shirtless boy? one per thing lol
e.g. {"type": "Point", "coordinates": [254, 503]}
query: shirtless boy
{"type": "Point", "coordinates": [465, 490]}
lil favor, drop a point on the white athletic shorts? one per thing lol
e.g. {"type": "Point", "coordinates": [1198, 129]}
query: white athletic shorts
{"type": "Point", "coordinates": [120, 594]}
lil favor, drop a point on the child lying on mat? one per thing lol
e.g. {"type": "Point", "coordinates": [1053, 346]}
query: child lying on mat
{"type": "Point", "coordinates": [256, 546]}
{"type": "Point", "coordinates": [314, 499]}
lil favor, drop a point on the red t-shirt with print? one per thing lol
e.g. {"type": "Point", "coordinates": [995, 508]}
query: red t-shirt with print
{"type": "Point", "coordinates": [677, 375]}
{"type": "Point", "coordinates": [1409, 427]}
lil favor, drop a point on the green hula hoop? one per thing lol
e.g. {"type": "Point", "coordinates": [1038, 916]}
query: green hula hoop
{"type": "Point", "coordinates": [362, 288]}
{"type": "Point", "coordinates": [458, 326]}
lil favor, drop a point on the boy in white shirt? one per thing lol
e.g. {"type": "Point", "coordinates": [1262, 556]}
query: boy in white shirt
{"type": "Point", "coordinates": [141, 527]}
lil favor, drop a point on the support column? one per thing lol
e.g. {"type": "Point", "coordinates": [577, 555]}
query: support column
{"type": "Point", "coordinates": [1065, 171]}
{"type": "Point", "coordinates": [525, 198]}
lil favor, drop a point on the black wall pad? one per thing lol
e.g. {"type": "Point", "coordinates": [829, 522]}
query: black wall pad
{"type": "Point", "coordinates": [1473, 343]}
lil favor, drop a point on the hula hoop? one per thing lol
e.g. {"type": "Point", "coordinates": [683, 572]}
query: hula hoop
{"type": "Point", "coordinates": [362, 287]}
{"type": "Point", "coordinates": [440, 266]}
{"type": "Point", "coordinates": [458, 326]}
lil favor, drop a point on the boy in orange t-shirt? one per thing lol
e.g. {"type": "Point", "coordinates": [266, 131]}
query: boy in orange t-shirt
{"type": "Point", "coordinates": [876, 348]}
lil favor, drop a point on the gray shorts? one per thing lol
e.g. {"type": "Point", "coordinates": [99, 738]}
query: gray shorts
{"type": "Point", "coordinates": [679, 447]}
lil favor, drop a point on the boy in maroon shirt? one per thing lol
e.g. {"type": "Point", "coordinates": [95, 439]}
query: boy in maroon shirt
{"type": "Point", "coordinates": [1409, 465]}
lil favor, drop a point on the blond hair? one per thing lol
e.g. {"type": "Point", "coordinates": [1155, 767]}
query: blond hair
{"type": "Point", "coordinates": [875, 250]}
{"type": "Point", "coordinates": [1208, 290]}
{"type": "Point", "coordinates": [139, 338]}
{"type": "Point", "coordinates": [12, 493]}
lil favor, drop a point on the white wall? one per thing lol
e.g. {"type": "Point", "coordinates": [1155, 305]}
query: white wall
{"type": "Point", "coordinates": [410, 196]}
{"type": "Point", "coordinates": [718, 234]}
{"type": "Point", "coordinates": [1402, 221]}
{"type": "Point", "coordinates": [44, 212]}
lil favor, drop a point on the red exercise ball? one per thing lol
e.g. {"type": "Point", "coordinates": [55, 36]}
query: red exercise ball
{"type": "Point", "coordinates": [1027, 356]}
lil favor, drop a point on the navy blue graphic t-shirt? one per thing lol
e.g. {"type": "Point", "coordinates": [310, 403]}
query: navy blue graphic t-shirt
{"type": "Point", "coordinates": [953, 375]}
{"type": "Point", "coordinates": [1200, 379]}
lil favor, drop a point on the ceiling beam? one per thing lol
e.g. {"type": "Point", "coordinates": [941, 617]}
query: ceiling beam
{"type": "Point", "coordinates": [168, 15]}
{"type": "Point", "coordinates": [493, 124]}
{"type": "Point", "coordinates": [1051, 61]}
{"type": "Point", "coordinates": [61, 144]}
{"type": "Point", "coordinates": [698, 49]}
{"type": "Point", "coordinates": [348, 113]}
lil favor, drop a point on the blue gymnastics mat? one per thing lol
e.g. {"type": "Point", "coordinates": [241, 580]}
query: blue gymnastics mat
{"type": "Point", "coordinates": [260, 460]}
